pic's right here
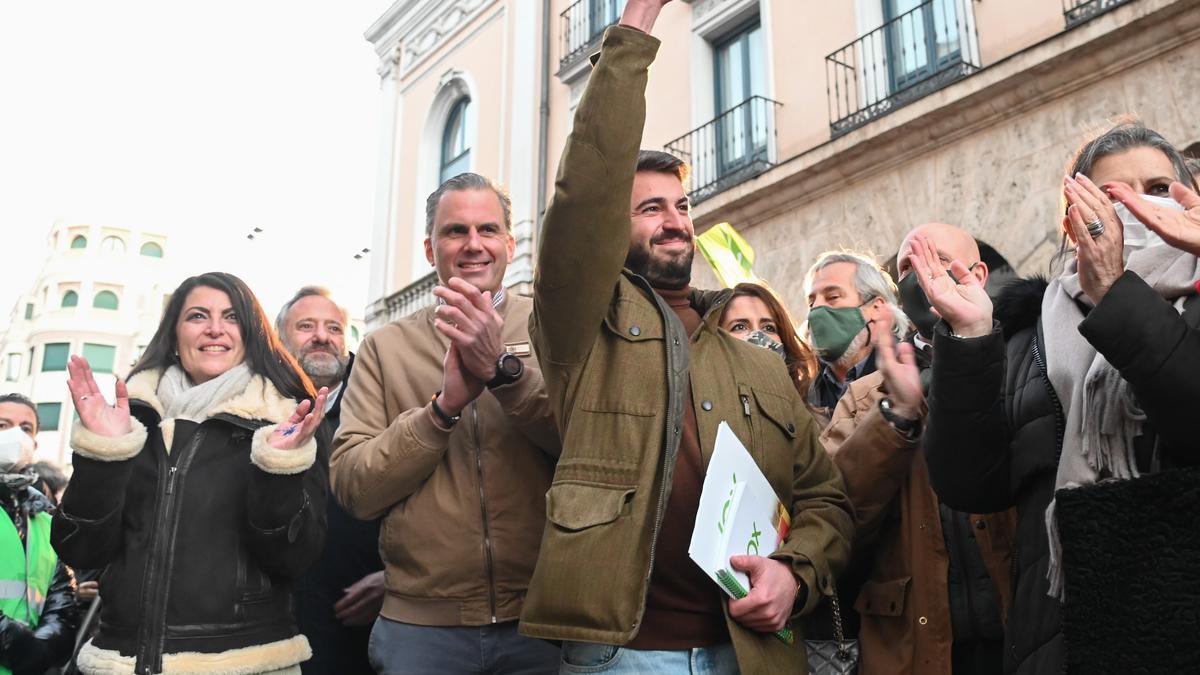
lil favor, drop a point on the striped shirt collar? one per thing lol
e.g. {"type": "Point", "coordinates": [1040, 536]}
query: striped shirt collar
{"type": "Point", "coordinates": [496, 299]}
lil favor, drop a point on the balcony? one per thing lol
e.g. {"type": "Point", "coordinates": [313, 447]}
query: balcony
{"type": "Point", "coordinates": [1076, 12]}
{"type": "Point", "coordinates": [582, 25]}
{"type": "Point", "coordinates": [731, 149]}
{"type": "Point", "coordinates": [417, 295]}
{"type": "Point", "coordinates": [905, 59]}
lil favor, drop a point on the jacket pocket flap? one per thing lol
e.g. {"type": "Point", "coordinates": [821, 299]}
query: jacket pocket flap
{"type": "Point", "coordinates": [778, 409]}
{"type": "Point", "coordinates": [577, 506]}
{"type": "Point", "coordinates": [633, 321]}
{"type": "Point", "coordinates": [883, 598]}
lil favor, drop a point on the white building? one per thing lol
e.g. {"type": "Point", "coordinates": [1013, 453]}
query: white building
{"type": "Point", "coordinates": [100, 294]}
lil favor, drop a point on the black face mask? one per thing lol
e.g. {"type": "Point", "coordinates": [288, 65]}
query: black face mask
{"type": "Point", "coordinates": [916, 305]}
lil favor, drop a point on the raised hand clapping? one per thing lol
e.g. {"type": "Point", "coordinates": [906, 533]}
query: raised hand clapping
{"type": "Point", "coordinates": [964, 305]}
{"type": "Point", "coordinates": [96, 415]}
{"type": "Point", "coordinates": [302, 425]}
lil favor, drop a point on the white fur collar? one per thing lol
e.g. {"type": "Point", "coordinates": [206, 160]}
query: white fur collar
{"type": "Point", "coordinates": [259, 401]}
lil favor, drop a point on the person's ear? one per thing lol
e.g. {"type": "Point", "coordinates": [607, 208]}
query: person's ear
{"type": "Point", "coordinates": [981, 272]}
{"type": "Point", "coordinates": [429, 250]}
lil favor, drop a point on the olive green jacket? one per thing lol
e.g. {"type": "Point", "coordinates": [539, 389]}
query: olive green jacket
{"type": "Point", "coordinates": [616, 361]}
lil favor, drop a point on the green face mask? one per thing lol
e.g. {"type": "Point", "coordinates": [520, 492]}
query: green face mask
{"type": "Point", "coordinates": [833, 329]}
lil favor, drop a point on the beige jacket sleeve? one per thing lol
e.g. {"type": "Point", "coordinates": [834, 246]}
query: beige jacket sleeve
{"type": "Point", "coordinates": [874, 458]}
{"type": "Point", "coordinates": [378, 462]}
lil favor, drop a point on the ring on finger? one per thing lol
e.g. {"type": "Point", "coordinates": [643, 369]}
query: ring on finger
{"type": "Point", "coordinates": [1095, 227]}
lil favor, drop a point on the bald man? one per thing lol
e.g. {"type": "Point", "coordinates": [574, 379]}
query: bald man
{"type": "Point", "coordinates": [953, 243]}
{"type": "Point", "coordinates": [934, 582]}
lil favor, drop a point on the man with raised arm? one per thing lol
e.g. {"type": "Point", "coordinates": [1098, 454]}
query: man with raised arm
{"type": "Point", "coordinates": [640, 377]}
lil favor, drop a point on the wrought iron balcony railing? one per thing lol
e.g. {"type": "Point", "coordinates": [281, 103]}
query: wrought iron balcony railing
{"type": "Point", "coordinates": [1076, 12]}
{"type": "Point", "coordinates": [908, 57]}
{"type": "Point", "coordinates": [417, 295]}
{"type": "Point", "coordinates": [582, 25]}
{"type": "Point", "coordinates": [731, 149]}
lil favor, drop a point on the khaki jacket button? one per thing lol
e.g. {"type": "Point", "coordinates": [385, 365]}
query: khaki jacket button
{"type": "Point", "coordinates": [707, 405]}
{"type": "Point", "coordinates": [635, 331]}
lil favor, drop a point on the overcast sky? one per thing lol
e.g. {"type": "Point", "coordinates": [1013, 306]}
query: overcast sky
{"type": "Point", "coordinates": [199, 121]}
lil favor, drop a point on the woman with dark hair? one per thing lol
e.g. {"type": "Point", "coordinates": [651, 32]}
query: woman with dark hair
{"type": "Point", "coordinates": [1088, 378]}
{"type": "Point", "coordinates": [200, 492]}
{"type": "Point", "coordinates": [755, 314]}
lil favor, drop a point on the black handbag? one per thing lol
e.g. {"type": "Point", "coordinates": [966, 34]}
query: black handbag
{"type": "Point", "coordinates": [838, 656]}
{"type": "Point", "coordinates": [1131, 565]}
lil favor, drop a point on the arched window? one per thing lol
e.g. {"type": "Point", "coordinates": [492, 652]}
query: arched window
{"type": "Point", "coordinates": [105, 300]}
{"type": "Point", "coordinates": [111, 244]}
{"type": "Point", "coordinates": [151, 250]}
{"type": "Point", "coordinates": [70, 299]}
{"type": "Point", "coordinates": [456, 153]}
{"type": "Point", "coordinates": [79, 241]}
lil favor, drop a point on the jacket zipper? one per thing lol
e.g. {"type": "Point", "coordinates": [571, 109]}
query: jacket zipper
{"type": "Point", "coordinates": [1060, 423]}
{"type": "Point", "coordinates": [487, 535]}
{"type": "Point", "coordinates": [150, 651]}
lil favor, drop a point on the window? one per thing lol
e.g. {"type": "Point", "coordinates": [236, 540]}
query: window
{"type": "Point", "coordinates": [112, 244]}
{"type": "Point", "coordinates": [13, 367]}
{"type": "Point", "coordinates": [740, 74]}
{"type": "Point", "coordinates": [54, 356]}
{"type": "Point", "coordinates": [29, 369]}
{"type": "Point", "coordinates": [48, 415]}
{"type": "Point", "coordinates": [100, 357]}
{"type": "Point", "coordinates": [79, 241]}
{"type": "Point", "coordinates": [922, 38]}
{"type": "Point", "coordinates": [354, 332]}
{"type": "Point", "coordinates": [70, 299]}
{"type": "Point", "coordinates": [455, 156]}
{"type": "Point", "coordinates": [105, 300]}
{"type": "Point", "coordinates": [151, 250]}
{"type": "Point", "coordinates": [28, 311]}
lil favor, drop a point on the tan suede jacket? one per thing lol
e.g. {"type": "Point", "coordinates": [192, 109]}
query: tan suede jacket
{"type": "Point", "coordinates": [462, 509]}
{"type": "Point", "coordinates": [616, 361]}
{"type": "Point", "coordinates": [905, 604]}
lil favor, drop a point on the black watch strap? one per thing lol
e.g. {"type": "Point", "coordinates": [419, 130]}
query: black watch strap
{"type": "Point", "coordinates": [908, 427]}
{"type": "Point", "coordinates": [448, 421]}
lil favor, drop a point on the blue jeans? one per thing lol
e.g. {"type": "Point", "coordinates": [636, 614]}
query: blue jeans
{"type": "Point", "coordinates": [589, 657]}
{"type": "Point", "coordinates": [405, 649]}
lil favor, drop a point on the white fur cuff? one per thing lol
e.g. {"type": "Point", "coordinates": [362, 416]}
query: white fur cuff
{"type": "Point", "coordinates": [274, 460]}
{"type": "Point", "coordinates": [108, 448]}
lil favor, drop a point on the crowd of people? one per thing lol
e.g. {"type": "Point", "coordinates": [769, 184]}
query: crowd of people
{"type": "Point", "coordinates": [509, 484]}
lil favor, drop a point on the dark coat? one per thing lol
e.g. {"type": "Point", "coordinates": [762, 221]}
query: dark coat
{"type": "Point", "coordinates": [351, 552]}
{"type": "Point", "coordinates": [34, 650]}
{"type": "Point", "coordinates": [995, 427]}
{"type": "Point", "coordinates": [202, 529]}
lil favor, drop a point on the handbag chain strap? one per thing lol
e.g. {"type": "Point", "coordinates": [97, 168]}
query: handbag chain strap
{"type": "Point", "coordinates": [843, 647]}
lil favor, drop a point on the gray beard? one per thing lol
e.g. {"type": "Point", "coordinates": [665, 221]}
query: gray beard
{"type": "Point", "coordinates": [850, 358]}
{"type": "Point", "coordinates": [323, 373]}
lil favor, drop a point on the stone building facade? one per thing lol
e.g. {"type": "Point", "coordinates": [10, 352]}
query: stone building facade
{"type": "Point", "coordinates": [810, 125]}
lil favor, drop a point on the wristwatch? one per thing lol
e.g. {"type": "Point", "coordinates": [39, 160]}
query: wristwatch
{"type": "Point", "coordinates": [908, 427]}
{"type": "Point", "coordinates": [448, 421]}
{"type": "Point", "coordinates": [509, 369]}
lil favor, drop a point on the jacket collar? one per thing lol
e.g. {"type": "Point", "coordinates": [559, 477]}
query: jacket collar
{"type": "Point", "coordinates": [260, 400]}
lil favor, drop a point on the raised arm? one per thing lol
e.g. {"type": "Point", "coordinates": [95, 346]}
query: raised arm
{"type": "Point", "coordinates": [585, 235]}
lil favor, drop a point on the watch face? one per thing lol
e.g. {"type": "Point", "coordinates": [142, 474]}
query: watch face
{"type": "Point", "coordinates": [510, 364]}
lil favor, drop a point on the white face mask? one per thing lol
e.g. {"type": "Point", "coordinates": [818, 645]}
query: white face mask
{"type": "Point", "coordinates": [1137, 235]}
{"type": "Point", "coordinates": [16, 447]}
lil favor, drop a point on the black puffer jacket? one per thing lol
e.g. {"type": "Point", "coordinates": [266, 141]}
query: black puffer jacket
{"type": "Point", "coordinates": [25, 650]}
{"type": "Point", "coordinates": [202, 528]}
{"type": "Point", "coordinates": [995, 428]}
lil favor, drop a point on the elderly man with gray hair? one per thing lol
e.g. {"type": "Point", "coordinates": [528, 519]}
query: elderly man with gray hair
{"type": "Point", "coordinates": [338, 598]}
{"type": "Point", "coordinates": [847, 293]}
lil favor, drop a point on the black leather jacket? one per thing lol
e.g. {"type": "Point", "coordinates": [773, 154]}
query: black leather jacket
{"type": "Point", "coordinates": [201, 546]}
{"type": "Point", "coordinates": [34, 650]}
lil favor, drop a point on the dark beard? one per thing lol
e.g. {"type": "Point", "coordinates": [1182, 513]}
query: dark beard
{"type": "Point", "coordinates": [672, 273]}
